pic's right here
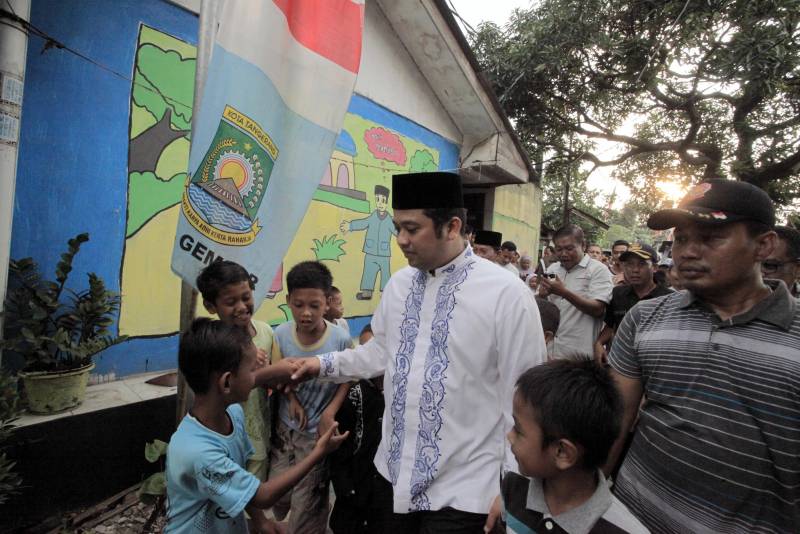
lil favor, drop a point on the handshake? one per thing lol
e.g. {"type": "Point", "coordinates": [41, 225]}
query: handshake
{"type": "Point", "coordinates": [288, 373]}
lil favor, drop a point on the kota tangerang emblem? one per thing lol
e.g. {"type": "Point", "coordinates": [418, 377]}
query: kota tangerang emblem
{"type": "Point", "coordinates": [222, 198]}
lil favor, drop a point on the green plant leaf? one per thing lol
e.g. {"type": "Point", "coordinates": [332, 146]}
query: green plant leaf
{"type": "Point", "coordinates": [153, 486]}
{"type": "Point", "coordinates": [155, 450]}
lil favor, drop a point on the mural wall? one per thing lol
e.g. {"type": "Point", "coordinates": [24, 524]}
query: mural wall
{"type": "Point", "coordinates": [108, 155]}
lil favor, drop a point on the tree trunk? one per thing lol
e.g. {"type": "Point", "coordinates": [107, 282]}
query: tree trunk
{"type": "Point", "coordinates": [146, 148]}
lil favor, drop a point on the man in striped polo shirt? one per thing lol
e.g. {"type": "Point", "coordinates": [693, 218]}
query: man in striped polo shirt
{"type": "Point", "coordinates": [717, 444]}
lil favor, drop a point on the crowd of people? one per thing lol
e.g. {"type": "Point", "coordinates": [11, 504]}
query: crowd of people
{"type": "Point", "coordinates": [491, 393]}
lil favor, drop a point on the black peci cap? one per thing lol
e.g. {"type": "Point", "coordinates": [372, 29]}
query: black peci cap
{"type": "Point", "coordinates": [718, 202]}
{"type": "Point", "coordinates": [426, 190]}
{"type": "Point", "coordinates": [488, 238]}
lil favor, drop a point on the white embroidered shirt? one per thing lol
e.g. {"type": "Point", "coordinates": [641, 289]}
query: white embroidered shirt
{"type": "Point", "coordinates": [452, 344]}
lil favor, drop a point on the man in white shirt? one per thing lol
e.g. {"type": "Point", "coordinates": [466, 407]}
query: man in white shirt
{"type": "Point", "coordinates": [508, 257]}
{"type": "Point", "coordinates": [453, 332]}
{"type": "Point", "coordinates": [580, 287]}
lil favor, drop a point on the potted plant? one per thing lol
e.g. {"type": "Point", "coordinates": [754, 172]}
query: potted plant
{"type": "Point", "coordinates": [57, 330]}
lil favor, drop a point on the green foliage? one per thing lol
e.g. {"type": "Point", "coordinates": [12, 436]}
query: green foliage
{"type": "Point", "coordinates": [708, 88]}
{"type": "Point", "coordinates": [329, 248]}
{"type": "Point", "coordinates": [422, 161]}
{"type": "Point", "coordinates": [154, 487]}
{"type": "Point", "coordinates": [10, 481]}
{"type": "Point", "coordinates": [50, 333]}
{"type": "Point", "coordinates": [155, 450]}
{"type": "Point", "coordinates": [163, 79]}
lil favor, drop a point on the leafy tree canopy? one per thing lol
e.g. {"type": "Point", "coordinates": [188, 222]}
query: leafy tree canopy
{"type": "Point", "coordinates": [712, 87]}
{"type": "Point", "coordinates": [164, 80]}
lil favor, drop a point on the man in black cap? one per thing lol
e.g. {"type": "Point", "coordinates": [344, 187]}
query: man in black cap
{"type": "Point", "coordinates": [452, 335]}
{"type": "Point", "coordinates": [716, 445]}
{"type": "Point", "coordinates": [487, 244]}
{"type": "Point", "coordinates": [638, 265]}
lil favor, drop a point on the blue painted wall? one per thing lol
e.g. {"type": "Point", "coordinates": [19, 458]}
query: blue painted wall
{"type": "Point", "coordinates": [72, 170]}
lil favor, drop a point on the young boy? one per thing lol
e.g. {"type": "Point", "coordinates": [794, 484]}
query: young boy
{"type": "Point", "coordinates": [208, 487]}
{"type": "Point", "coordinates": [314, 405]}
{"type": "Point", "coordinates": [567, 415]}
{"type": "Point", "coordinates": [335, 313]}
{"type": "Point", "coordinates": [227, 291]}
{"type": "Point", "coordinates": [361, 496]}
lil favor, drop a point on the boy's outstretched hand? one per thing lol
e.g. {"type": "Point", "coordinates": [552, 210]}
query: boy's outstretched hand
{"type": "Point", "coordinates": [330, 440]}
{"type": "Point", "coordinates": [308, 369]}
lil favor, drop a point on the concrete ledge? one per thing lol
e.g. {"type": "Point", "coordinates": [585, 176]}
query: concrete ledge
{"type": "Point", "coordinates": [129, 390]}
{"type": "Point", "coordinates": [73, 460]}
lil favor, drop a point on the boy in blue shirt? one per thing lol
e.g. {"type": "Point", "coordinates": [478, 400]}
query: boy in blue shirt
{"type": "Point", "coordinates": [208, 487]}
{"type": "Point", "coordinates": [312, 407]}
{"type": "Point", "coordinates": [567, 415]}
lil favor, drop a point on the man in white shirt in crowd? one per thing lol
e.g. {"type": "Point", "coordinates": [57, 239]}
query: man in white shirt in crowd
{"type": "Point", "coordinates": [619, 247]}
{"type": "Point", "coordinates": [453, 332]}
{"type": "Point", "coordinates": [508, 257]}
{"type": "Point", "coordinates": [581, 288]}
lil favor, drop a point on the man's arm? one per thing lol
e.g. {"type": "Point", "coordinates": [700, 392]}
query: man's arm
{"type": "Point", "coordinates": [276, 374]}
{"type": "Point", "coordinates": [631, 391]}
{"type": "Point", "coordinates": [606, 335]}
{"type": "Point", "coordinates": [556, 286]}
{"type": "Point", "coordinates": [359, 224]}
{"type": "Point", "coordinates": [627, 373]}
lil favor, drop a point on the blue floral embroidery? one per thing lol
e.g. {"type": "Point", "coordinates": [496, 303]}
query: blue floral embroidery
{"type": "Point", "coordinates": [408, 336]}
{"type": "Point", "coordinates": [326, 364]}
{"type": "Point", "coordinates": [433, 390]}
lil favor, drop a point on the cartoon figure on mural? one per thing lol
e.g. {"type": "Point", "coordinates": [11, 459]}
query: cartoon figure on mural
{"type": "Point", "coordinates": [377, 243]}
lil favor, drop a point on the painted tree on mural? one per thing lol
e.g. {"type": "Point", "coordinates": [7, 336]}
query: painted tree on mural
{"type": "Point", "coordinates": [163, 84]}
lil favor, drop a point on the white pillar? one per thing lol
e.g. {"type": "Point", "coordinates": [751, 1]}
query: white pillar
{"type": "Point", "coordinates": [13, 52]}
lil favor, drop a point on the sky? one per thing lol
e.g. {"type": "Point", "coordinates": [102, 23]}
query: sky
{"type": "Point", "coordinates": [498, 11]}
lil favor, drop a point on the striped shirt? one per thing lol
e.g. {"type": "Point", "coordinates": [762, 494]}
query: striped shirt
{"type": "Point", "coordinates": [717, 447]}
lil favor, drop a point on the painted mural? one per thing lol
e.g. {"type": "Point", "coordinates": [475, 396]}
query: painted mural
{"type": "Point", "coordinates": [111, 152]}
{"type": "Point", "coordinates": [348, 225]}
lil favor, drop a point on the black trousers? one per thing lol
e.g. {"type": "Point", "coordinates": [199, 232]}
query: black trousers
{"type": "Point", "coordinates": [445, 521]}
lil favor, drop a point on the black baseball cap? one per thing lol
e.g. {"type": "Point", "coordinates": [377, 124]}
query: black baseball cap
{"type": "Point", "coordinates": [718, 202]}
{"type": "Point", "coordinates": [645, 252]}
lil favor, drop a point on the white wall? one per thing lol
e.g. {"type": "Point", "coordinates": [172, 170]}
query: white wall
{"type": "Point", "coordinates": [389, 76]}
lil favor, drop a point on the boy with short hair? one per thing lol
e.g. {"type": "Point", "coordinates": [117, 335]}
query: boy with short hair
{"type": "Point", "coordinates": [315, 403]}
{"type": "Point", "coordinates": [208, 487]}
{"type": "Point", "coordinates": [567, 415]}
{"type": "Point", "coordinates": [335, 313]}
{"type": "Point", "coordinates": [227, 290]}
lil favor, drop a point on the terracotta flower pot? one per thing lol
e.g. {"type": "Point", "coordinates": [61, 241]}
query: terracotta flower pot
{"type": "Point", "coordinates": [52, 392]}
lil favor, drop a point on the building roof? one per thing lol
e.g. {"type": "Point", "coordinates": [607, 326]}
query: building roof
{"type": "Point", "coordinates": [345, 143]}
{"type": "Point", "coordinates": [491, 152]}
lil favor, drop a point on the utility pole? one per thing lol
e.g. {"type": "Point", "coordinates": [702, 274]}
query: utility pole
{"type": "Point", "coordinates": [206, 34]}
{"type": "Point", "coordinates": [13, 54]}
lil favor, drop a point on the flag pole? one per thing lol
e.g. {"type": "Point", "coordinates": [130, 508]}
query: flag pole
{"type": "Point", "coordinates": [206, 31]}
